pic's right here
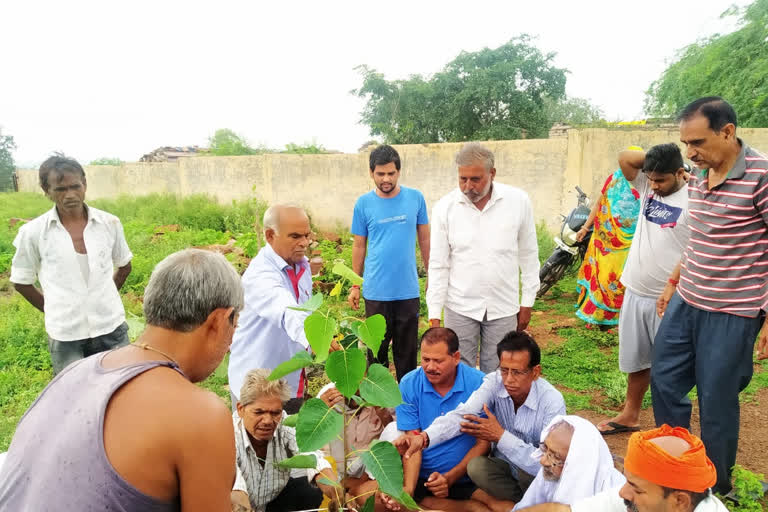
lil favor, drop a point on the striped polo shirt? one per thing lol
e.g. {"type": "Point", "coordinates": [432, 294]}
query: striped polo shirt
{"type": "Point", "coordinates": [725, 268]}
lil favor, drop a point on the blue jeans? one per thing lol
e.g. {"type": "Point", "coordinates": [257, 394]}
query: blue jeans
{"type": "Point", "coordinates": [64, 353]}
{"type": "Point", "coordinates": [712, 351]}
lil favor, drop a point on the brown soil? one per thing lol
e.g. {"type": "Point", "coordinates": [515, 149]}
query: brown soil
{"type": "Point", "coordinates": [753, 443]}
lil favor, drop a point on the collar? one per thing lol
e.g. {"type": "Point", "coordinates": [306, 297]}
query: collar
{"type": "Point", "coordinates": [52, 215]}
{"type": "Point", "coordinates": [531, 401]}
{"type": "Point", "coordinates": [739, 168]}
{"type": "Point", "coordinates": [278, 261]}
{"type": "Point", "coordinates": [495, 196]}
{"type": "Point", "coordinates": [458, 382]}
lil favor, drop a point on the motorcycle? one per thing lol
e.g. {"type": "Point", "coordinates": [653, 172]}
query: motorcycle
{"type": "Point", "coordinates": [569, 251]}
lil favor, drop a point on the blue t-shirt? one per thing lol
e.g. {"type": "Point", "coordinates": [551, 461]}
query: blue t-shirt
{"type": "Point", "coordinates": [390, 226]}
{"type": "Point", "coordinates": [422, 405]}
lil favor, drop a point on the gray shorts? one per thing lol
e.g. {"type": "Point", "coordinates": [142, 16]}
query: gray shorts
{"type": "Point", "coordinates": [64, 353]}
{"type": "Point", "coordinates": [638, 323]}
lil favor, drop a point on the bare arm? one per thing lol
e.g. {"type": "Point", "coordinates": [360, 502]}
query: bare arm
{"type": "Point", "coordinates": [32, 294]}
{"type": "Point", "coordinates": [358, 254]}
{"type": "Point", "coordinates": [206, 466]}
{"type": "Point", "coordinates": [422, 232]}
{"type": "Point", "coordinates": [547, 507]}
{"type": "Point", "coordinates": [121, 275]}
{"type": "Point", "coordinates": [481, 448]}
{"type": "Point", "coordinates": [590, 219]}
{"type": "Point", "coordinates": [669, 291]}
{"type": "Point", "coordinates": [631, 163]}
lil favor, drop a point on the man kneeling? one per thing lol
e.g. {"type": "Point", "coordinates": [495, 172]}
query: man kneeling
{"type": "Point", "coordinates": [262, 442]}
{"type": "Point", "coordinates": [575, 464]}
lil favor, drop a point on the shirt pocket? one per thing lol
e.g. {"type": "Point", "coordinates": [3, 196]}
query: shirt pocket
{"type": "Point", "coordinates": [503, 236]}
{"type": "Point", "coordinates": [99, 244]}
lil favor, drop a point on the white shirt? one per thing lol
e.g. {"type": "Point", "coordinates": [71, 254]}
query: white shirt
{"type": "Point", "coordinates": [268, 333]}
{"type": "Point", "coordinates": [610, 501]}
{"type": "Point", "coordinates": [477, 256]}
{"type": "Point", "coordinates": [264, 482]}
{"type": "Point", "coordinates": [660, 239]}
{"type": "Point", "coordinates": [75, 308]}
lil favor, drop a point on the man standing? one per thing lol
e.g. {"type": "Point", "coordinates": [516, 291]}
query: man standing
{"type": "Point", "coordinates": [517, 404]}
{"type": "Point", "coordinates": [714, 301]}
{"type": "Point", "coordinates": [388, 219]}
{"type": "Point", "coordinates": [660, 238]}
{"type": "Point", "coordinates": [127, 429]}
{"type": "Point", "coordinates": [72, 250]}
{"type": "Point", "coordinates": [483, 245]}
{"type": "Point", "coordinates": [277, 278]}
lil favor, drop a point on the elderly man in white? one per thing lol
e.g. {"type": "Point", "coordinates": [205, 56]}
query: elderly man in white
{"type": "Point", "coordinates": [483, 245]}
{"type": "Point", "coordinates": [575, 464]}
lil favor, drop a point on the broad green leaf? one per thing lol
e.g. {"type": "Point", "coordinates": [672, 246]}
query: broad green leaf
{"type": "Point", "coordinates": [311, 305]}
{"type": "Point", "coordinates": [407, 500]}
{"type": "Point", "coordinates": [320, 331]}
{"type": "Point", "coordinates": [370, 504]}
{"type": "Point", "coordinates": [336, 290]}
{"type": "Point", "coordinates": [300, 360]}
{"type": "Point", "coordinates": [340, 269]}
{"type": "Point", "coordinates": [350, 340]}
{"type": "Point", "coordinates": [346, 368]}
{"type": "Point", "coordinates": [380, 388]}
{"type": "Point", "coordinates": [371, 331]}
{"type": "Point", "coordinates": [326, 481]}
{"type": "Point", "coordinates": [317, 425]}
{"type": "Point", "coordinates": [290, 421]}
{"type": "Point", "coordinates": [384, 463]}
{"type": "Point", "coordinates": [299, 461]}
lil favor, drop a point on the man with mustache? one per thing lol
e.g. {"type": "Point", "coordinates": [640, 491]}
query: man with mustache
{"type": "Point", "coordinates": [386, 223]}
{"type": "Point", "coordinates": [73, 250]}
{"type": "Point", "coordinates": [715, 300]}
{"type": "Point", "coordinates": [509, 410]}
{"type": "Point", "coordinates": [279, 277]}
{"type": "Point", "coordinates": [667, 470]}
{"type": "Point", "coordinates": [483, 246]}
{"type": "Point", "coordinates": [575, 464]}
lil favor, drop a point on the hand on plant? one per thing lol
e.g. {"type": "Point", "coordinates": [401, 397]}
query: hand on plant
{"type": "Point", "coordinates": [434, 322]}
{"type": "Point", "coordinates": [663, 300]}
{"type": "Point", "coordinates": [335, 346]}
{"type": "Point", "coordinates": [335, 493]}
{"type": "Point", "coordinates": [438, 485]}
{"type": "Point", "coordinates": [762, 342]}
{"type": "Point", "coordinates": [409, 444]}
{"type": "Point", "coordinates": [388, 501]}
{"type": "Point", "coordinates": [332, 397]}
{"type": "Point", "coordinates": [488, 429]}
{"type": "Point", "coordinates": [523, 318]}
{"type": "Point", "coordinates": [354, 298]}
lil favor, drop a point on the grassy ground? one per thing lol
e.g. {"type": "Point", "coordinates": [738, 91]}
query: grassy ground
{"type": "Point", "coordinates": [581, 362]}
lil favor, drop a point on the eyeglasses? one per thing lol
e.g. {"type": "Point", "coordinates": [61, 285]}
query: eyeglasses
{"type": "Point", "coordinates": [554, 459]}
{"type": "Point", "coordinates": [505, 372]}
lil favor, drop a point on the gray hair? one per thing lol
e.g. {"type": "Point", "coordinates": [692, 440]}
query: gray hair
{"type": "Point", "coordinates": [257, 385]}
{"type": "Point", "coordinates": [474, 153]}
{"type": "Point", "coordinates": [271, 218]}
{"type": "Point", "coordinates": [189, 285]}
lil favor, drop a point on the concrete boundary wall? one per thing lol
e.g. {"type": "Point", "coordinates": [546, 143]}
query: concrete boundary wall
{"type": "Point", "coordinates": [328, 185]}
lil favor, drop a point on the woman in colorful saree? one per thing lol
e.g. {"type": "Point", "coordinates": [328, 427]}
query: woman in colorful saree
{"type": "Point", "coordinates": [615, 216]}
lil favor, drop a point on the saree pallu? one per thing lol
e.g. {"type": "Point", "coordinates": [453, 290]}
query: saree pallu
{"type": "Point", "coordinates": [598, 283]}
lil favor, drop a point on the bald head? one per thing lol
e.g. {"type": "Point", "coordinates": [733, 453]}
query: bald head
{"type": "Point", "coordinates": [674, 446]}
{"type": "Point", "coordinates": [282, 214]}
{"type": "Point", "coordinates": [287, 230]}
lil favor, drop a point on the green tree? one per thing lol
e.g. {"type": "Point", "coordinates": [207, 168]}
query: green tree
{"type": "Point", "coordinates": [308, 148]}
{"type": "Point", "coordinates": [106, 161]}
{"type": "Point", "coordinates": [7, 166]}
{"type": "Point", "coordinates": [491, 94]}
{"type": "Point", "coordinates": [573, 111]}
{"type": "Point", "coordinates": [225, 142]}
{"type": "Point", "coordinates": [734, 66]}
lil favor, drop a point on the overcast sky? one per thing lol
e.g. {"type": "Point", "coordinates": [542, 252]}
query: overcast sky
{"type": "Point", "coordinates": [119, 79]}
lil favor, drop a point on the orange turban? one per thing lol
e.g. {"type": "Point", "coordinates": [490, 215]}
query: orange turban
{"type": "Point", "coordinates": [692, 471]}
